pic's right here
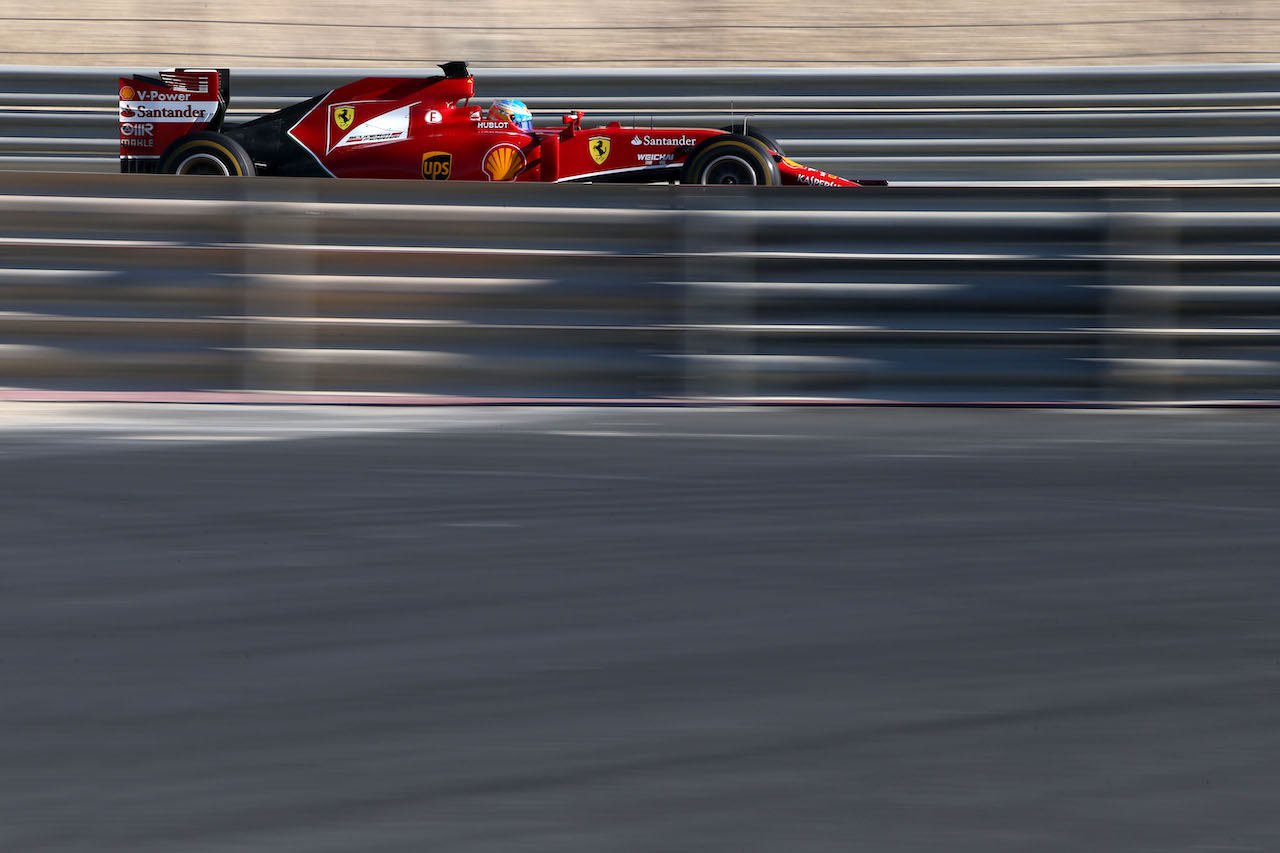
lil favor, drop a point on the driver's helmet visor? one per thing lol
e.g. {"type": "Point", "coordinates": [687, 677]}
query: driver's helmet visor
{"type": "Point", "coordinates": [508, 109]}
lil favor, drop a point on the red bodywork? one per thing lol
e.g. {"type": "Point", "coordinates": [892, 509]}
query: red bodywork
{"type": "Point", "coordinates": [383, 127]}
{"type": "Point", "coordinates": [156, 112]}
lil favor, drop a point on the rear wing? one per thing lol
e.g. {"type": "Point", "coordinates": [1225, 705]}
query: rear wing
{"type": "Point", "coordinates": [156, 111]}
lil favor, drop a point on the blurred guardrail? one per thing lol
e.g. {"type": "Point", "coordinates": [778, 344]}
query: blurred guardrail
{"type": "Point", "coordinates": [1144, 123]}
{"type": "Point", "coordinates": [143, 283]}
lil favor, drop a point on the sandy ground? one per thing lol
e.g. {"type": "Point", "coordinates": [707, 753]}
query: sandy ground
{"type": "Point", "coordinates": [649, 32]}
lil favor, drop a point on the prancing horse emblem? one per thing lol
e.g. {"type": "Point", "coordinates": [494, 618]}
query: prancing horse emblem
{"type": "Point", "coordinates": [343, 115]}
{"type": "Point", "coordinates": [599, 149]}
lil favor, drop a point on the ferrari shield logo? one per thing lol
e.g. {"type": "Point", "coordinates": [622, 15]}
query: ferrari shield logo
{"type": "Point", "coordinates": [599, 148]}
{"type": "Point", "coordinates": [343, 115]}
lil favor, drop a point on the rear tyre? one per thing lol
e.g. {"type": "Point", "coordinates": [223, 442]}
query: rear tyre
{"type": "Point", "coordinates": [743, 129]}
{"type": "Point", "coordinates": [207, 153]}
{"type": "Point", "coordinates": [731, 159]}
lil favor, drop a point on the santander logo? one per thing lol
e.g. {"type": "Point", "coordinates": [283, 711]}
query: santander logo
{"type": "Point", "coordinates": [680, 141]}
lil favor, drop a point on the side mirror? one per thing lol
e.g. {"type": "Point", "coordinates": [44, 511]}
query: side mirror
{"type": "Point", "coordinates": [572, 123]}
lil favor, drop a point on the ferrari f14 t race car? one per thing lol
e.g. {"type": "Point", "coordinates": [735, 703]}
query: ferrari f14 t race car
{"type": "Point", "coordinates": [426, 129]}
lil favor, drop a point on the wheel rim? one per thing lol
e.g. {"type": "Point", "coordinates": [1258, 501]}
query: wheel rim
{"type": "Point", "coordinates": [203, 164]}
{"type": "Point", "coordinates": [728, 169]}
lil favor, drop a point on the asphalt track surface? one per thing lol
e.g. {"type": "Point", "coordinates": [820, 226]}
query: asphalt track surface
{"type": "Point", "coordinates": [638, 630]}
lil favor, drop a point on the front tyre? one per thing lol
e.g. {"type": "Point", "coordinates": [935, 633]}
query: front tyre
{"type": "Point", "coordinates": [207, 153]}
{"type": "Point", "coordinates": [731, 159]}
{"type": "Point", "coordinates": [757, 134]}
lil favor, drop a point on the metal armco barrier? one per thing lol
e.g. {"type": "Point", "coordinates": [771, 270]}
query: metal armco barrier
{"type": "Point", "coordinates": [1118, 124]}
{"type": "Point", "coordinates": [144, 283]}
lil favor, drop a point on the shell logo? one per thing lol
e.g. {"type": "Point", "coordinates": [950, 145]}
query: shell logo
{"type": "Point", "coordinates": [127, 93]}
{"type": "Point", "coordinates": [503, 162]}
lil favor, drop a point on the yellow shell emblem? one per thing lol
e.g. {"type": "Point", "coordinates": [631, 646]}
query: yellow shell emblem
{"type": "Point", "coordinates": [343, 115]}
{"type": "Point", "coordinates": [599, 148]}
{"type": "Point", "coordinates": [503, 162]}
{"type": "Point", "coordinates": [127, 93]}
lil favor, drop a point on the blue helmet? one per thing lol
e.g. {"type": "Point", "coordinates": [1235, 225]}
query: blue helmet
{"type": "Point", "coordinates": [509, 109]}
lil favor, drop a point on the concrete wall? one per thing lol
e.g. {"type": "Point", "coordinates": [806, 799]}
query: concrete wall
{"type": "Point", "coordinates": [646, 32]}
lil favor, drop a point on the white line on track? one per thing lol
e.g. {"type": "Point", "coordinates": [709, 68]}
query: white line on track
{"type": "Point", "coordinates": [196, 437]}
{"type": "Point", "coordinates": [554, 475]}
{"type": "Point", "coordinates": [925, 455]}
{"type": "Point", "coordinates": [160, 422]}
{"type": "Point", "coordinates": [602, 433]}
{"type": "Point", "coordinates": [481, 524]}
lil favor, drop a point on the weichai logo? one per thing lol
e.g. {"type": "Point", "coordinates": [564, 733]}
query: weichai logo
{"type": "Point", "coordinates": [437, 165]}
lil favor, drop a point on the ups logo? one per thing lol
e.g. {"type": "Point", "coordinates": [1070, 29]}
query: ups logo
{"type": "Point", "coordinates": [437, 165]}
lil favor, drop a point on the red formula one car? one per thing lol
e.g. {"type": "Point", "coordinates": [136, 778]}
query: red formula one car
{"type": "Point", "coordinates": [426, 129]}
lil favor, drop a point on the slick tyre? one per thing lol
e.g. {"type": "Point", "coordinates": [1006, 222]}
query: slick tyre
{"type": "Point", "coordinates": [207, 153]}
{"type": "Point", "coordinates": [731, 159]}
{"type": "Point", "coordinates": [757, 134]}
